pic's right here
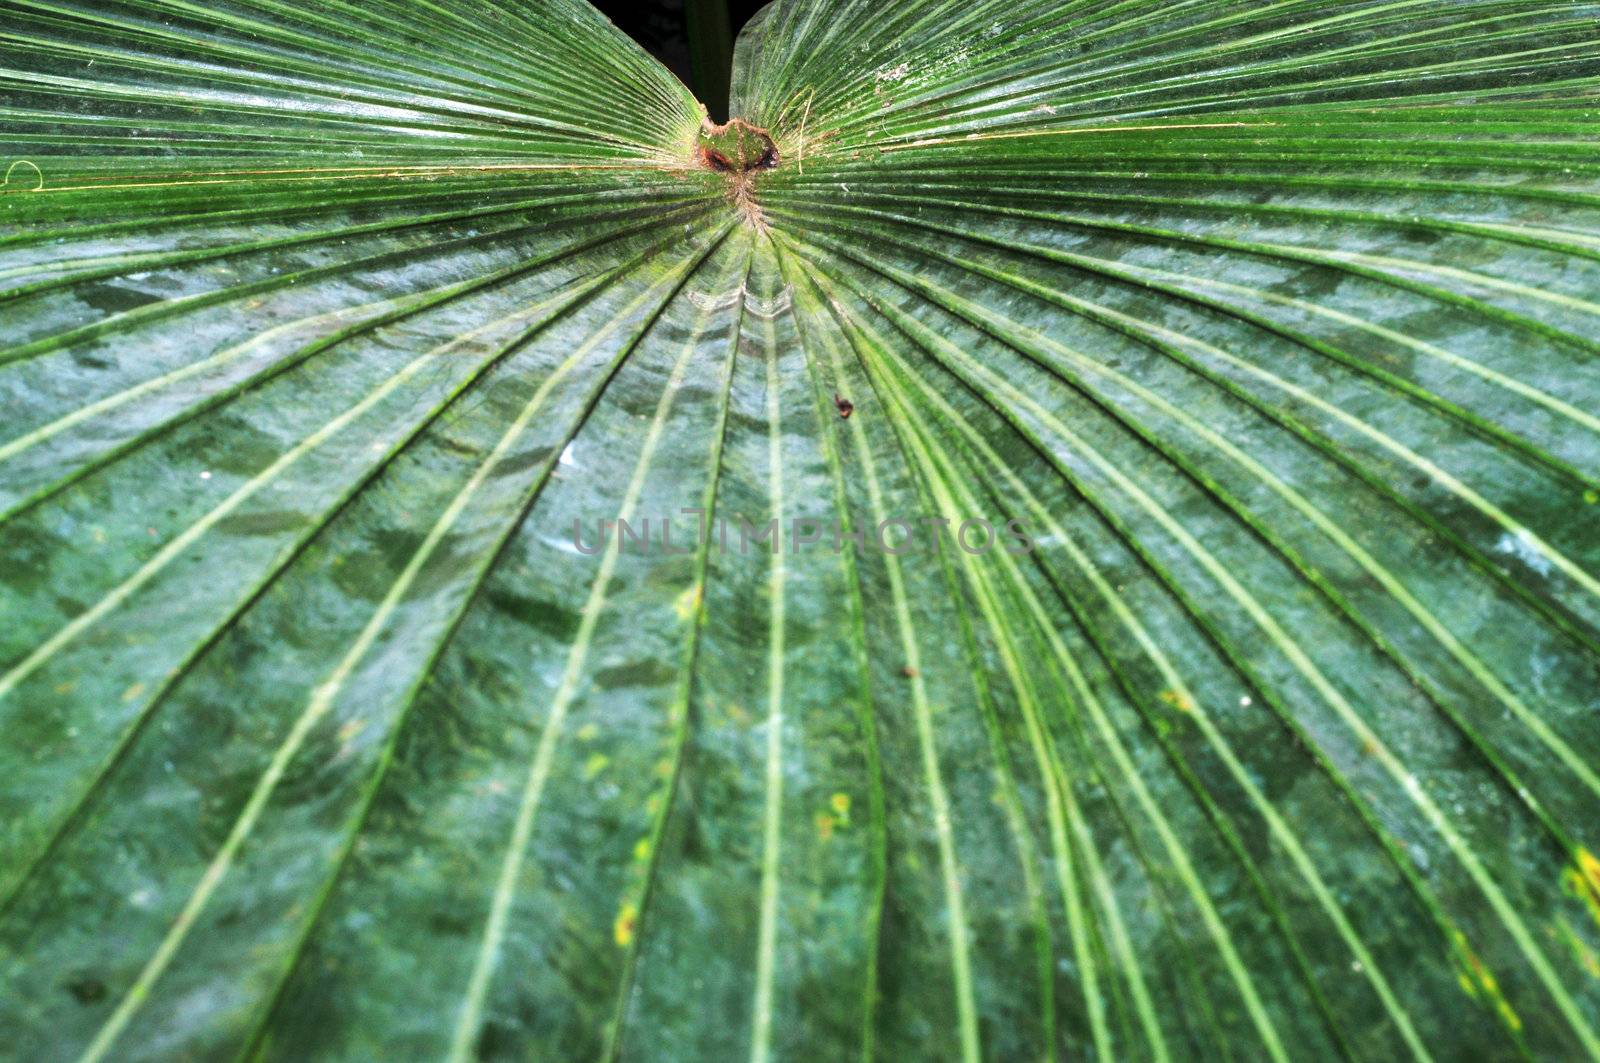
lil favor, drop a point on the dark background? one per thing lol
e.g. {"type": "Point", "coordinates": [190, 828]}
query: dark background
{"type": "Point", "coordinates": [659, 26]}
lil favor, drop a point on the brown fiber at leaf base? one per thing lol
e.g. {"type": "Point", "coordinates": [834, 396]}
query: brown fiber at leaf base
{"type": "Point", "coordinates": [741, 190]}
{"type": "Point", "coordinates": [739, 151]}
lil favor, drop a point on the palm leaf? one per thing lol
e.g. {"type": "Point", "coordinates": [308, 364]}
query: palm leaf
{"type": "Point", "coordinates": [330, 335]}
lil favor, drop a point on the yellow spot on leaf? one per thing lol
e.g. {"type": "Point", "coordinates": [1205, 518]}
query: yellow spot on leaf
{"type": "Point", "coordinates": [1591, 870]}
{"type": "Point", "coordinates": [824, 826]}
{"type": "Point", "coordinates": [1485, 982]}
{"type": "Point", "coordinates": [627, 922]}
{"type": "Point", "coordinates": [587, 732]}
{"type": "Point", "coordinates": [641, 850]}
{"type": "Point", "coordinates": [132, 692]}
{"type": "Point", "coordinates": [840, 803]}
{"type": "Point", "coordinates": [1583, 881]}
{"type": "Point", "coordinates": [688, 602]}
{"type": "Point", "coordinates": [1178, 700]}
{"type": "Point", "coordinates": [595, 765]}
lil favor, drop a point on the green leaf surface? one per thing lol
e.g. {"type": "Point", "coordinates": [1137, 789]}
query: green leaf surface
{"type": "Point", "coordinates": [330, 727]}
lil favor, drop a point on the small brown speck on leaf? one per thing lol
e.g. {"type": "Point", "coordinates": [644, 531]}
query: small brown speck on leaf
{"type": "Point", "coordinates": [909, 672]}
{"type": "Point", "coordinates": [87, 990]}
{"type": "Point", "coordinates": [845, 406]}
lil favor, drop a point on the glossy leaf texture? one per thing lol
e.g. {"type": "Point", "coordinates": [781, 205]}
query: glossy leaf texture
{"type": "Point", "coordinates": [335, 722]}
